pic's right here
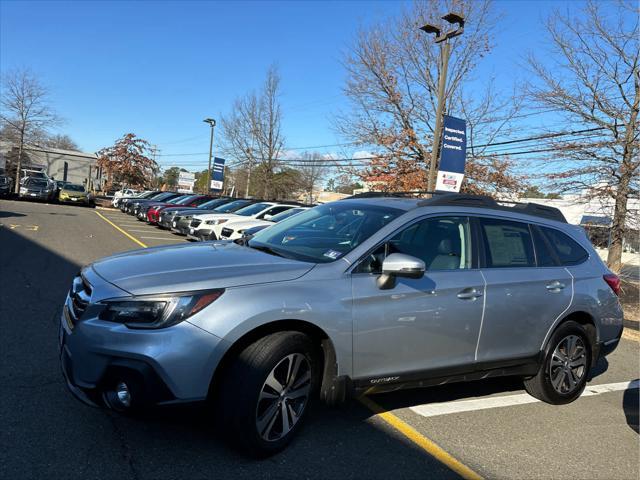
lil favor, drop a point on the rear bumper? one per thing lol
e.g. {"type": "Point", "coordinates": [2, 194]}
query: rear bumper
{"type": "Point", "coordinates": [608, 346]}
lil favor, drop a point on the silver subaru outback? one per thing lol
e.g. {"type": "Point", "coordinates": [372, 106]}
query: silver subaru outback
{"type": "Point", "coordinates": [352, 297]}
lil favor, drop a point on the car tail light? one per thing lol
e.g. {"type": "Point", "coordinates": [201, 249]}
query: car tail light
{"type": "Point", "coordinates": [613, 281]}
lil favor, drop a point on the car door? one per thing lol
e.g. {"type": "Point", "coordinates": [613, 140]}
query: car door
{"type": "Point", "coordinates": [421, 324]}
{"type": "Point", "coordinates": [526, 290]}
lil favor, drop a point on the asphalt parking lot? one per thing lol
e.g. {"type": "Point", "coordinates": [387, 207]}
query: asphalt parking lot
{"type": "Point", "coordinates": [489, 429]}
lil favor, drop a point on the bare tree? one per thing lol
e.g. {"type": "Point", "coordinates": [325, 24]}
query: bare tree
{"type": "Point", "coordinates": [593, 79]}
{"type": "Point", "coordinates": [393, 71]}
{"type": "Point", "coordinates": [24, 109]}
{"type": "Point", "coordinates": [61, 141]}
{"type": "Point", "coordinates": [252, 131]}
{"type": "Point", "coordinates": [313, 168]}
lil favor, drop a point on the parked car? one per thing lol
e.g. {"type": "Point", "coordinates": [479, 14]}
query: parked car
{"type": "Point", "coordinates": [359, 295]}
{"type": "Point", "coordinates": [178, 199]}
{"type": "Point", "coordinates": [36, 189]}
{"type": "Point", "coordinates": [235, 228]}
{"type": "Point", "coordinates": [74, 193]}
{"type": "Point", "coordinates": [153, 213]}
{"type": "Point", "coordinates": [6, 185]}
{"type": "Point", "coordinates": [209, 226]}
{"type": "Point", "coordinates": [124, 202]}
{"type": "Point", "coordinates": [169, 214]}
{"type": "Point", "coordinates": [123, 193]}
{"type": "Point", "coordinates": [133, 206]}
{"type": "Point", "coordinates": [182, 223]}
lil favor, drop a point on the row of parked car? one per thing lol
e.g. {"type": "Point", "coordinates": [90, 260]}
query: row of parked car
{"type": "Point", "coordinates": [37, 185]}
{"type": "Point", "coordinates": [203, 217]}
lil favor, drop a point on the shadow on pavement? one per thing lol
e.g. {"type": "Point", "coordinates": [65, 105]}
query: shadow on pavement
{"type": "Point", "coordinates": [47, 433]}
{"type": "Point", "coordinates": [5, 214]}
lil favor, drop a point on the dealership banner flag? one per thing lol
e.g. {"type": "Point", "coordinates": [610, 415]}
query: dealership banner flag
{"type": "Point", "coordinates": [452, 154]}
{"type": "Point", "coordinates": [217, 176]}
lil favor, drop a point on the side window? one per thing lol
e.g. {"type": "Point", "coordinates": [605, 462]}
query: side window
{"type": "Point", "coordinates": [567, 249]}
{"type": "Point", "coordinates": [275, 210]}
{"type": "Point", "coordinates": [443, 243]}
{"type": "Point", "coordinates": [544, 256]}
{"type": "Point", "coordinates": [507, 244]}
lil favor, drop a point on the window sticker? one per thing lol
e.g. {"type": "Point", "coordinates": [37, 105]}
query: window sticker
{"type": "Point", "coordinates": [333, 254]}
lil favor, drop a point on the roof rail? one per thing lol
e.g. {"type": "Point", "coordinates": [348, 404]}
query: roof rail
{"type": "Point", "coordinates": [483, 201]}
{"type": "Point", "coordinates": [410, 194]}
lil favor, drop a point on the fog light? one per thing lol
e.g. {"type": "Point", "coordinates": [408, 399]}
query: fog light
{"type": "Point", "coordinates": [123, 394]}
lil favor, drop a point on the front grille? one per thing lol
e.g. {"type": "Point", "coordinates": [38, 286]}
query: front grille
{"type": "Point", "coordinates": [226, 232]}
{"type": "Point", "coordinates": [80, 294]}
{"type": "Point", "coordinates": [195, 222]}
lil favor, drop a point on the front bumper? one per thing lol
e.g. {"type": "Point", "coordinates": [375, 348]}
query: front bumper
{"type": "Point", "coordinates": [35, 195]}
{"type": "Point", "coordinates": [172, 365]}
{"type": "Point", "coordinates": [201, 235]}
{"type": "Point", "coordinates": [77, 200]}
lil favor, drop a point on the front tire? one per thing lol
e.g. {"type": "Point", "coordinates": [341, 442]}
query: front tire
{"type": "Point", "coordinates": [564, 371]}
{"type": "Point", "coordinates": [266, 391]}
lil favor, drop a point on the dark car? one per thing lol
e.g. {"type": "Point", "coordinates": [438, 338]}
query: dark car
{"type": "Point", "coordinates": [37, 189]}
{"type": "Point", "coordinates": [182, 225]}
{"type": "Point", "coordinates": [134, 205]}
{"type": "Point", "coordinates": [153, 214]}
{"type": "Point", "coordinates": [124, 202]}
{"type": "Point", "coordinates": [169, 214]}
{"type": "Point", "coordinates": [143, 208]}
{"type": "Point", "coordinates": [6, 185]}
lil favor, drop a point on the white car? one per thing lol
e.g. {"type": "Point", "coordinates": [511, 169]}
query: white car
{"type": "Point", "coordinates": [209, 226]}
{"type": "Point", "coordinates": [125, 192]}
{"type": "Point", "coordinates": [236, 228]}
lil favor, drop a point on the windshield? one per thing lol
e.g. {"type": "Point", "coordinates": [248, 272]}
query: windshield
{"type": "Point", "coordinates": [253, 209]}
{"type": "Point", "coordinates": [34, 182]}
{"type": "Point", "coordinates": [213, 203]}
{"type": "Point", "coordinates": [74, 188]}
{"type": "Point", "coordinates": [184, 200]}
{"type": "Point", "coordinates": [325, 233]}
{"type": "Point", "coordinates": [232, 207]}
{"type": "Point", "coordinates": [161, 196]}
{"type": "Point", "coordinates": [286, 214]}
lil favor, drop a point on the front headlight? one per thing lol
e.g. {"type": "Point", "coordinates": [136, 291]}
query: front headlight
{"type": "Point", "coordinates": [159, 311]}
{"type": "Point", "coordinates": [23, 190]}
{"type": "Point", "coordinates": [216, 222]}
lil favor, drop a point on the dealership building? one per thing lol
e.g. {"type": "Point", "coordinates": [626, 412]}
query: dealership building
{"type": "Point", "coordinates": [66, 165]}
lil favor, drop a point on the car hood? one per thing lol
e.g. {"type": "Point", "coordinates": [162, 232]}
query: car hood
{"type": "Point", "coordinates": [216, 216]}
{"type": "Point", "coordinates": [198, 266]}
{"type": "Point", "coordinates": [72, 193]}
{"type": "Point", "coordinates": [252, 222]}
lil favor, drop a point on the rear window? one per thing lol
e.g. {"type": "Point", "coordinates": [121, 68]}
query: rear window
{"type": "Point", "coordinates": [507, 244]}
{"type": "Point", "coordinates": [566, 249]}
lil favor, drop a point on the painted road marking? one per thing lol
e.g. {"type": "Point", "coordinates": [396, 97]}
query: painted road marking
{"type": "Point", "coordinates": [420, 440]}
{"type": "Point", "coordinates": [447, 408]}
{"type": "Point", "coordinates": [629, 334]}
{"type": "Point", "coordinates": [121, 230]}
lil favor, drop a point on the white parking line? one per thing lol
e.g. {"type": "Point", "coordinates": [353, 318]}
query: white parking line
{"type": "Point", "coordinates": [446, 408]}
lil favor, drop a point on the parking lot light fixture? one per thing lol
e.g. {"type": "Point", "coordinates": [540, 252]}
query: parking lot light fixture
{"type": "Point", "coordinates": [212, 124]}
{"type": "Point", "coordinates": [445, 51]}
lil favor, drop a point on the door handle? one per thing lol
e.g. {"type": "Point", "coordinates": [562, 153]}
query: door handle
{"type": "Point", "coordinates": [555, 286]}
{"type": "Point", "coordinates": [469, 294]}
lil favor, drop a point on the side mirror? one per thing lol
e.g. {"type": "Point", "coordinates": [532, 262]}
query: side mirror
{"type": "Point", "coordinates": [267, 217]}
{"type": "Point", "coordinates": [399, 265]}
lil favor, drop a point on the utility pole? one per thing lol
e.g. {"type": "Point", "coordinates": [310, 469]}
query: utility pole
{"type": "Point", "coordinates": [212, 124]}
{"type": "Point", "coordinates": [445, 53]}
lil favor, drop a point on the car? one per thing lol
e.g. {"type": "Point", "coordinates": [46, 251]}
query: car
{"type": "Point", "coordinates": [178, 199]}
{"type": "Point", "coordinates": [153, 213]}
{"type": "Point", "coordinates": [125, 202]}
{"type": "Point", "coordinates": [169, 214]}
{"type": "Point", "coordinates": [74, 193]}
{"type": "Point", "coordinates": [34, 188]}
{"type": "Point", "coordinates": [6, 185]}
{"type": "Point", "coordinates": [134, 206]}
{"type": "Point", "coordinates": [125, 192]}
{"type": "Point", "coordinates": [358, 296]}
{"type": "Point", "coordinates": [182, 223]}
{"type": "Point", "coordinates": [235, 228]}
{"type": "Point", "coordinates": [209, 226]}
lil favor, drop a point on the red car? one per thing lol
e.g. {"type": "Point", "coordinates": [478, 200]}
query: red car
{"type": "Point", "coordinates": [153, 214]}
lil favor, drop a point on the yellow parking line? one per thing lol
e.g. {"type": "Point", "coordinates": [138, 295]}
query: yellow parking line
{"type": "Point", "coordinates": [420, 440]}
{"type": "Point", "coordinates": [121, 230]}
{"type": "Point", "coordinates": [631, 334]}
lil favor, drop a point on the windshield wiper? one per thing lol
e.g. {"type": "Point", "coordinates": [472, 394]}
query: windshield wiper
{"type": "Point", "coordinates": [264, 248]}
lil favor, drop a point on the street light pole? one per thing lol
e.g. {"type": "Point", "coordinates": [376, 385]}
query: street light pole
{"type": "Point", "coordinates": [445, 53]}
{"type": "Point", "coordinates": [212, 124]}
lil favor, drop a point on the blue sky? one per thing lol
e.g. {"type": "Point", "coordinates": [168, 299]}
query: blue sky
{"type": "Point", "coordinates": [157, 68]}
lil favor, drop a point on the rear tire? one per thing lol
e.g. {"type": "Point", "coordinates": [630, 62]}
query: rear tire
{"type": "Point", "coordinates": [266, 390]}
{"type": "Point", "coordinates": [565, 369]}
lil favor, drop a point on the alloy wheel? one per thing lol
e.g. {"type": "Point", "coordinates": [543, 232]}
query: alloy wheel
{"type": "Point", "coordinates": [283, 397]}
{"type": "Point", "coordinates": [568, 364]}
